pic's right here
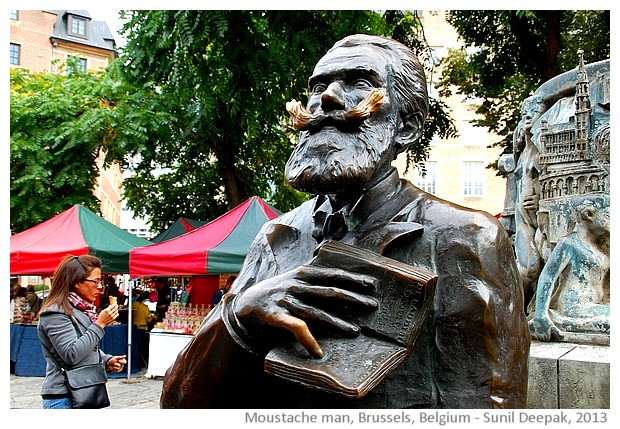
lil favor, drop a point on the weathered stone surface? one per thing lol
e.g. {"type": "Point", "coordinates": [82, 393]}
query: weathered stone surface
{"type": "Point", "coordinates": [568, 376]}
{"type": "Point", "coordinates": [542, 389]}
{"type": "Point", "coordinates": [584, 377]}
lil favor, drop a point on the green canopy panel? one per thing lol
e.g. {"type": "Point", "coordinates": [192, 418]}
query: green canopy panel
{"type": "Point", "coordinates": [219, 247]}
{"type": "Point", "coordinates": [76, 231]}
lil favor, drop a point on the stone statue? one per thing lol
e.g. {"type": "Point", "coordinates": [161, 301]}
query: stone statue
{"type": "Point", "coordinates": [565, 125]}
{"type": "Point", "coordinates": [367, 103]}
{"type": "Point", "coordinates": [573, 288]}
{"type": "Point", "coordinates": [527, 196]}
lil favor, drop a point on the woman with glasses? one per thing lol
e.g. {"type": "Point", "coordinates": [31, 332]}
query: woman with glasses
{"type": "Point", "coordinates": [70, 329]}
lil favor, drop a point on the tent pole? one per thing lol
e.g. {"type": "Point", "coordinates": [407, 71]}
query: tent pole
{"type": "Point", "coordinates": [129, 331]}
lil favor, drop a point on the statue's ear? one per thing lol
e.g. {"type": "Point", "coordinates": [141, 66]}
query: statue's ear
{"type": "Point", "coordinates": [409, 130]}
{"type": "Point", "coordinates": [588, 214]}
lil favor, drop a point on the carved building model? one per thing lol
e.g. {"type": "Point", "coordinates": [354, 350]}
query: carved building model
{"type": "Point", "coordinates": [574, 156]}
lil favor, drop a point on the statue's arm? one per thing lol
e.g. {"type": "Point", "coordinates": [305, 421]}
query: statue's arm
{"type": "Point", "coordinates": [541, 325]}
{"type": "Point", "coordinates": [214, 361]}
{"type": "Point", "coordinates": [481, 339]}
{"type": "Point", "coordinates": [506, 324]}
{"type": "Point", "coordinates": [209, 369]}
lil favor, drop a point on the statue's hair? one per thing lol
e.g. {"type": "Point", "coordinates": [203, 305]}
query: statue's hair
{"type": "Point", "coordinates": [589, 201]}
{"type": "Point", "coordinates": [407, 72]}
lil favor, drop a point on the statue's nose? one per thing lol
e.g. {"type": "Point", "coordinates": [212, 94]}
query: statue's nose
{"type": "Point", "coordinates": [333, 97]}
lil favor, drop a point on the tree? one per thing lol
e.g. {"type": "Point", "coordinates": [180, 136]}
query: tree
{"type": "Point", "coordinates": [194, 108]}
{"type": "Point", "coordinates": [226, 77]}
{"type": "Point", "coordinates": [61, 125]}
{"type": "Point", "coordinates": [508, 54]}
{"type": "Point", "coordinates": [55, 140]}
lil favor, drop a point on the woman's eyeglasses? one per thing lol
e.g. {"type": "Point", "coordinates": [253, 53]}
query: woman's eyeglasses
{"type": "Point", "coordinates": [95, 282]}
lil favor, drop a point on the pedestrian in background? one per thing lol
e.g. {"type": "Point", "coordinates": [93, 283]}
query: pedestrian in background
{"type": "Point", "coordinates": [70, 329]}
{"type": "Point", "coordinates": [142, 318]}
{"type": "Point", "coordinates": [164, 297]}
{"type": "Point", "coordinates": [33, 301]}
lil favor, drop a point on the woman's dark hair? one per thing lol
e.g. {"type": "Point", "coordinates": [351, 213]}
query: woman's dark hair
{"type": "Point", "coordinates": [71, 271]}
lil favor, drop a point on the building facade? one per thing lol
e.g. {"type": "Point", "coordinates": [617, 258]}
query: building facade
{"type": "Point", "coordinates": [41, 40]}
{"type": "Point", "coordinates": [456, 169]}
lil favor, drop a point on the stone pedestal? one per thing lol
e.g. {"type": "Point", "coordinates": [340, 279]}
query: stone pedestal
{"type": "Point", "coordinates": [566, 375]}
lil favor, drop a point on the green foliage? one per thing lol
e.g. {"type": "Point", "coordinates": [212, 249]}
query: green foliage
{"type": "Point", "coordinates": [56, 134]}
{"type": "Point", "coordinates": [226, 77]}
{"type": "Point", "coordinates": [508, 54]}
{"type": "Point", "coordinates": [41, 287]}
{"type": "Point", "coordinates": [194, 108]}
{"type": "Point", "coordinates": [60, 124]}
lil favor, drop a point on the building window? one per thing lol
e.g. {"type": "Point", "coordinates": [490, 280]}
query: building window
{"type": "Point", "coordinates": [15, 49]}
{"type": "Point", "coordinates": [14, 14]}
{"type": "Point", "coordinates": [81, 65]}
{"type": "Point", "coordinates": [426, 177]}
{"type": "Point", "coordinates": [473, 179]}
{"type": "Point", "coordinates": [76, 65]}
{"type": "Point", "coordinates": [77, 26]}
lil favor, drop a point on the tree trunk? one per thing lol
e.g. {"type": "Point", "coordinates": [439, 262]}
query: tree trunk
{"type": "Point", "coordinates": [226, 166]}
{"type": "Point", "coordinates": [544, 59]}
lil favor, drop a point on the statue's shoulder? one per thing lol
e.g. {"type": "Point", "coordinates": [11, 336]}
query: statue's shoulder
{"type": "Point", "coordinates": [298, 217]}
{"type": "Point", "coordinates": [440, 216]}
{"type": "Point", "coordinates": [289, 227]}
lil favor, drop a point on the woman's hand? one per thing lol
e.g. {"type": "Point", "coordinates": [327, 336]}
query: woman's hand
{"type": "Point", "coordinates": [107, 316]}
{"type": "Point", "coordinates": [116, 363]}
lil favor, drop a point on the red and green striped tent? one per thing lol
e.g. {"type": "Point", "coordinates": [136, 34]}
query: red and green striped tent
{"type": "Point", "coordinates": [179, 227]}
{"type": "Point", "coordinates": [76, 231]}
{"type": "Point", "coordinates": [218, 247]}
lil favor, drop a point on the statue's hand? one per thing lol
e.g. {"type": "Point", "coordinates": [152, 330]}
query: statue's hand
{"type": "Point", "coordinates": [542, 328]}
{"type": "Point", "coordinates": [530, 202]}
{"type": "Point", "coordinates": [291, 299]}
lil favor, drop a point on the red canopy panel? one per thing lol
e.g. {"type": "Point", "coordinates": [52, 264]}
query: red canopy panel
{"type": "Point", "coordinates": [40, 249]}
{"type": "Point", "coordinates": [188, 253]}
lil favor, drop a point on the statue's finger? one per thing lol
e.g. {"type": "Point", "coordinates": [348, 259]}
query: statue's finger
{"type": "Point", "coordinates": [308, 312]}
{"type": "Point", "coordinates": [300, 330]}
{"type": "Point", "coordinates": [326, 276]}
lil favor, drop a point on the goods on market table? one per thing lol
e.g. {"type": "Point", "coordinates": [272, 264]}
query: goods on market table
{"type": "Point", "coordinates": [182, 319]}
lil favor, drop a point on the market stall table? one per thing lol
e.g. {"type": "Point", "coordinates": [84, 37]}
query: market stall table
{"type": "Point", "coordinates": [114, 342]}
{"type": "Point", "coordinates": [26, 353]}
{"type": "Point", "coordinates": [163, 350]}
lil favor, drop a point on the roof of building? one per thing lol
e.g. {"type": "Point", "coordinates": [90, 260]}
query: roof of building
{"type": "Point", "coordinates": [98, 34]}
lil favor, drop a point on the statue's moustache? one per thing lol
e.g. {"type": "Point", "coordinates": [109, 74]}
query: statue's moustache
{"type": "Point", "coordinates": [304, 120]}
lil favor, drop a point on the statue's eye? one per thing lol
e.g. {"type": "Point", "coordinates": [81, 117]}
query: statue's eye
{"type": "Point", "coordinates": [319, 88]}
{"type": "Point", "coordinates": [362, 84]}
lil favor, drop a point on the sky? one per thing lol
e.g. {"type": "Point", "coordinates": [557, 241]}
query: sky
{"type": "Point", "coordinates": [110, 16]}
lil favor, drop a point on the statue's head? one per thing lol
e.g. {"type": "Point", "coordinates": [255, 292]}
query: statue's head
{"type": "Point", "coordinates": [593, 210]}
{"type": "Point", "coordinates": [367, 101]}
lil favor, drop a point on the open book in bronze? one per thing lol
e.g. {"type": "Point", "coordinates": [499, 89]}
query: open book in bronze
{"type": "Point", "coordinates": [353, 366]}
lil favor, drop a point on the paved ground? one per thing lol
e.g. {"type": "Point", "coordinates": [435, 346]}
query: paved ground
{"type": "Point", "coordinates": [139, 392]}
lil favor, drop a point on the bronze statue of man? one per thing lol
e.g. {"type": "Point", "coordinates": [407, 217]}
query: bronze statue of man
{"type": "Point", "coordinates": [367, 103]}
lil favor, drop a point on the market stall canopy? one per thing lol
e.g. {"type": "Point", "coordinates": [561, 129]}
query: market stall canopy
{"type": "Point", "coordinates": [76, 231]}
{"type": "Point", "coordinates": [179, 227]}
{"type": "Point", "coordinates": [218, 247]}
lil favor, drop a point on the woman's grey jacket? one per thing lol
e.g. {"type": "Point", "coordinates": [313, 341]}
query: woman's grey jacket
{"type": "Point", "coordinates": [59, 335]}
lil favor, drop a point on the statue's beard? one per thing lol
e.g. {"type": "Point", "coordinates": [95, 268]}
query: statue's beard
{"type": "Point", "coordinates": [331, 161]}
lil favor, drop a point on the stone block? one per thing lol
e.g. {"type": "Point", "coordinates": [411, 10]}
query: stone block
{"type": "Point", "coordinates": [543, 383]}
{"type": "Point", "coordinates": [584, 377]}
{"type": "Point", "coordinates": [568, 376]}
